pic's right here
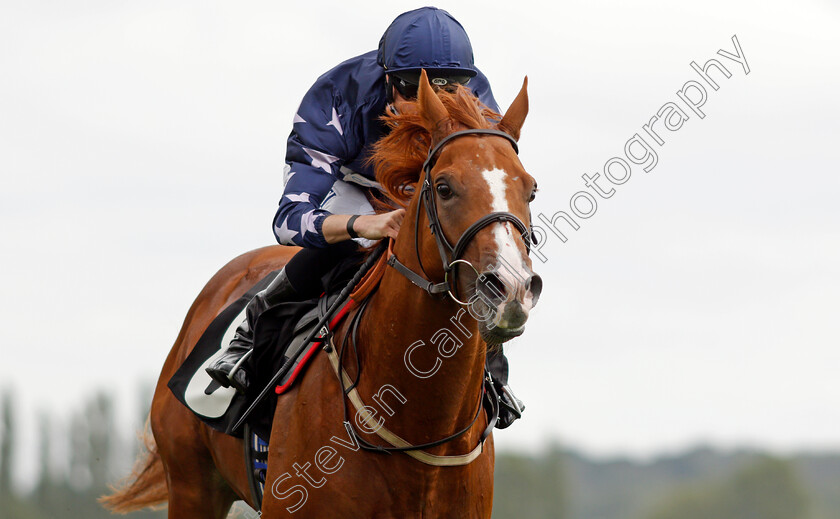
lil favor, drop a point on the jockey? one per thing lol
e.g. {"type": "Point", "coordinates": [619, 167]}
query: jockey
{"type": "Point", "coordinates": [325, 206]}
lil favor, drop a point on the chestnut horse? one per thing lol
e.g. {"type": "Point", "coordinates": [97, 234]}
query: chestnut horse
{"type": "Point", "coordinates": [419, 357]}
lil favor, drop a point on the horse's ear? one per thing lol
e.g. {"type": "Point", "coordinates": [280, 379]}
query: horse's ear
{"type": "Point", "coordinates": [434, 114]}
{"type": "Point", "coordinates": [511, 123]}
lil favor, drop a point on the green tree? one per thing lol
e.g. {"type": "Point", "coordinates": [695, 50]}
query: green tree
{"type": "Point", "coordinates": [6, 444]}
{"type": "Point", "coordinates": [101, 429]}
{"type": "Point", "coordinates": [767, 489]}
{"type": "Point", "coordinates": [527, 487]}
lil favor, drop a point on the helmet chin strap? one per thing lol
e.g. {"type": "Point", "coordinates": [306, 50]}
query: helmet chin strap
{"type": "Point", "coordinates": [389, 90]}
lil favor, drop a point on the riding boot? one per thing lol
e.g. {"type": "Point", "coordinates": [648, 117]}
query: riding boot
{"type": "Point", "coordinates": [510, 408]}
{"type": "Point", "coordinates": [229, 369]}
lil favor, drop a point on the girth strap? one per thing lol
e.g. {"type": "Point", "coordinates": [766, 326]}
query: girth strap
{"type": "Point", "coordinates": [390, 437]}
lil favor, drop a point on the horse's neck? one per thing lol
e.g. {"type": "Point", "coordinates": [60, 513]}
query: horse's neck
{"type": "Point", "coordinates": [410, 341]}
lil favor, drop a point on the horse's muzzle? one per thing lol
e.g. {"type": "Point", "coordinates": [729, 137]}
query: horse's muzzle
{"type": "Point", "coordinates": [505, 300]}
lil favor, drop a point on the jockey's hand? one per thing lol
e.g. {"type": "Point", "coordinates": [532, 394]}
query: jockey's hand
{"type": "Point", "coordinates": [370, 226]}
{"type": "Point", "coordinates": [378, 226]}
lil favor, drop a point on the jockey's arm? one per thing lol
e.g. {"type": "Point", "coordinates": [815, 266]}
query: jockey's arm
{"type": "Point", "coordinates": [370, 226]}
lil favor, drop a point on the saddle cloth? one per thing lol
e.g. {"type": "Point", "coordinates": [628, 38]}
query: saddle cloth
{"type": "Point", "coordinates": [279, 336]}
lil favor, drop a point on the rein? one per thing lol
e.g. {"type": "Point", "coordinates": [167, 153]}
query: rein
{"type": "Point", "coordinates": [449, 255]}
{"type": "Point", "coordinates": [398, 444]}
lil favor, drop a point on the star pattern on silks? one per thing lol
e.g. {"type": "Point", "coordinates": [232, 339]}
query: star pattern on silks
{"type": "Point", "coordinates": [284, 234]}
{"type": "Point", "coordinates": [303, 197]}
{"type": "Point", "coordinates": [287, 173]}
{"type": "Point", "coordinates": [307, 222]}
{"type": "Point", "coordinates": [298, 119]}
{"type": "Point", "coordinates": [335, 122]}
{"type": "Point", "coordinates": [319, 159]}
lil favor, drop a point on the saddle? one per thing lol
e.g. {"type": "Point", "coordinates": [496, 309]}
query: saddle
{"type": "Point", "coordinates": [279, 338]}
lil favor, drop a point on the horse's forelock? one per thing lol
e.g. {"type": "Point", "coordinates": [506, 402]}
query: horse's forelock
{"type": "Point", "coordinates": [398, 157]}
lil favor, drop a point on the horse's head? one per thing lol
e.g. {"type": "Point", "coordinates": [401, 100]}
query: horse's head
{"type": "Point", "coordinates": [475, 193]}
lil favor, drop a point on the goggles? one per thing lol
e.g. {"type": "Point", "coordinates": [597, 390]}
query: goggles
{"type": "Point", "coordinates": [407, 83]}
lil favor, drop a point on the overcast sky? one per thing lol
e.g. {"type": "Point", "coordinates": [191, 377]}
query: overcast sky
{"type": "Point", "coordinates": [142, 144]}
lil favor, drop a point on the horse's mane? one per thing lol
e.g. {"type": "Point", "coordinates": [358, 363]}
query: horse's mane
{"type": "Point", "coordinates": [398, 157]}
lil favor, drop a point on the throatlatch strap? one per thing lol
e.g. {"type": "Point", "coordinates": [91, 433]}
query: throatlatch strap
{"type": "Point", "coordinates": [425, 284]}
{"type": "Point", "coordinates": [390, 437]}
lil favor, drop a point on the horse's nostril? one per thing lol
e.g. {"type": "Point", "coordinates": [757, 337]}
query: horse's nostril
{"type": "Point", "coordinates": [535, 286]}
{"type": "Point", "coordinates": [491, 286]}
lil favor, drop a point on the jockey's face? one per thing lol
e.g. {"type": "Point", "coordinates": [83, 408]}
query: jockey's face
{"type": "Point", "coordinates": [401, 103]}
{"type": "Point", "coordinates": [405, 86]}
{"type": "Point", "coordinates": [398, 98]}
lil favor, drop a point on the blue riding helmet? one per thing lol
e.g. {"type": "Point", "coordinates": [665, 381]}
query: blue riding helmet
{"type": "Point", "coordinates": [426, 38]}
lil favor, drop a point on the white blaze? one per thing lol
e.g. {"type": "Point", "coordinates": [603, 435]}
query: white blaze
{"type": "Point", "coordinates": [511, 268]}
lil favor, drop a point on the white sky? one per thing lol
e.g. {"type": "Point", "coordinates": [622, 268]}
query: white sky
{"type": "Point", "coordinates": [142, 144]}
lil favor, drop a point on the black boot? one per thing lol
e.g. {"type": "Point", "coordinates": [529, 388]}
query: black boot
{"type": "Point", "coordinates": [229, 369]}
{"type": "Point", "coordinates": [510, 408]}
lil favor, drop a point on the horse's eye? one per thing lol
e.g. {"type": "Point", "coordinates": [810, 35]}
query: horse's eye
{"type": "Point", "coordinates": [444, 191]}
{"type": "Point", "coordinates": [533, 195]}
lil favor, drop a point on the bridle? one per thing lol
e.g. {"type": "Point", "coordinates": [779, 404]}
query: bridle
{"type": "Point", "coordinates": [450, 256]}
